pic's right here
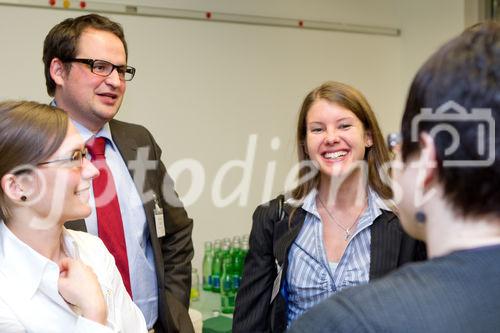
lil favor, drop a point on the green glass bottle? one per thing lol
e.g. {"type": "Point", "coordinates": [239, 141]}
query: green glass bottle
{"type": "Point", "coordinates": [227, 288]}
{"type": "Point", "coordinates": [238, 260]}
{"type": "Point", "coordinates": [208, 259]}
{"type": "Point", "coordinates": [216, 267]}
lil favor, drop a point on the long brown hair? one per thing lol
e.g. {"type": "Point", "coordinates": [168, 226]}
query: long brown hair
{"type": "Point", "coordinates": [375, 156]}
{"type": "Point", "coordinates": [30, 132]}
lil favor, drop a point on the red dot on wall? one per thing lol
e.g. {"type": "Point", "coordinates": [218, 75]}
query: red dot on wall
{"type": "Point", "coordinates": [52, 2]}
{"type": "Point", "coordinates": [208, 15]}
{"type": "Point", "coordinates": [301, 23]}
{"type": "Point", "coordinates": [83, 4]}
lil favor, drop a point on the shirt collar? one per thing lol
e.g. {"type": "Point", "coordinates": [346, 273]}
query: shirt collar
{"type": "Point", "coordinates": [27, 275]}
{"type": "Point", "coordinates": [25, 267]}
{"type": "Point", "coordinates": [309, 203]}
{"type": "Point", "coordinates": [375, 204]}
{"type": "Point", "coordinates": [70, 245]}
{"type": "Point", "coordinates": [86, 134]}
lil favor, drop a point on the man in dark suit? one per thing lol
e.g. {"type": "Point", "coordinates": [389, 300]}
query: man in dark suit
{"type": "Point", "coordinates": [149, 232]}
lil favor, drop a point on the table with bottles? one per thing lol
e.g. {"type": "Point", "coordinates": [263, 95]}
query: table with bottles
{"type": "Point", "coordinates": [222, 269]}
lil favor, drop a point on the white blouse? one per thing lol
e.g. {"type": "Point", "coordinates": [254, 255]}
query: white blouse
{"type": "Point", "coordinates": [29, 297]}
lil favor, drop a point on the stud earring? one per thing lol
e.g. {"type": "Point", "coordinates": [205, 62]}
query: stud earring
{"type": "Point", "coordinates": [24, 198]}
{"type": "Point", "coordinates": [420, 217]}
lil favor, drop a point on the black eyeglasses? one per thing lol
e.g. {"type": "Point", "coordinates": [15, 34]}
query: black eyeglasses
{"type": "Point", "coordinates": [105, 68]}
{"type": "Point", "coordinates": [76, 159]}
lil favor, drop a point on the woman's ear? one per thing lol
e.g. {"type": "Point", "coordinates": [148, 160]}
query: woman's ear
{"type": "Point", "coordinates": [304, 147]}
{"type": "Point", "coordinates": [19, 187]}
{"type": "Point", "coordinates": [428, 159]}
{"type": "Point", "coordinates": [12, 189]}
{"type": "Point", "coordinates": [368, 139]}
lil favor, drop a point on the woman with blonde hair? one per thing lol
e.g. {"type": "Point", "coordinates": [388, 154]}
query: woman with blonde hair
{"type": "Point", "coordinates": [52, 279]}
{"type": "Point", "coordinates": [335, 230]}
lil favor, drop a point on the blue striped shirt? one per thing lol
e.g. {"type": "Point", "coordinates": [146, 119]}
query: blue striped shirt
{"type": "Point", "coordinates": [310, 278]}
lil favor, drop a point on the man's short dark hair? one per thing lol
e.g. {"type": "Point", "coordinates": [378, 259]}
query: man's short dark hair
{"type": "Point", "coordinates": [466, 71]}
{"type": "Point", "coordinates": [62, 41]}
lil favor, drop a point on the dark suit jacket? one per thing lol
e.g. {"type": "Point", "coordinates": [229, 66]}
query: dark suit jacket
{"type": "Point", "coordinates": [458, 293]}
{"type": "Point", "coordinates": [270, 241]}
{"type": "Point", "coordinates": [174, 251]}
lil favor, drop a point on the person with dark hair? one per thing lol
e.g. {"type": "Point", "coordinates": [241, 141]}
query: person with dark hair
{"type": "Point", "coordinates": [450, 177]}
{"type": "Point", "coordinates": [135, 209]}
{"type": "Point", "coordinates": [335, 231]}
{"type": "Point", "coordinates": [52, 279]}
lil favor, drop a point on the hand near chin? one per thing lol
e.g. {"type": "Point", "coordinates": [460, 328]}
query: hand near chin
{"type": "Point", "coordinates": [78, 285]}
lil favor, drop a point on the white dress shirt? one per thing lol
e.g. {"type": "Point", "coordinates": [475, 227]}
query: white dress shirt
{"type": "Point", "coordinates": [29, 297]}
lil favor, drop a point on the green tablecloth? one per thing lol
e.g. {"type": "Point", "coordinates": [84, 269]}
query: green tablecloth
{"type": "Point", "coordinates": [219, 324]}
{"type": "Point", "coordinates": [214, 321]}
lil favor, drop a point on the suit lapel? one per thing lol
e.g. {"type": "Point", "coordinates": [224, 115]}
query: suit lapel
{"type": "Point", "coordinates": [127, 147]}
{"type": "Point", "coordinates": [386, 238]}
{"type": "Point", "coordinates": [125, 144]}
{"type": "Point", "coordinates": [285, 232]}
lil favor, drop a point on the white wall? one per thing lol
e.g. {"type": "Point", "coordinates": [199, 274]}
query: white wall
{"type": "Point", "coordinates": [203, 88]}
{"type": "Point", "coordinates": [426, 25]}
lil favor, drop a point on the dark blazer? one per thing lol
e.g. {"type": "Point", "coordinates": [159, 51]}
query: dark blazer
{"type": "Point", "coordinates": [174, 251]}
{"type": "Point", "coordinates": [458, 293]}
{"type": "Point", "coordinates": [270, 240]}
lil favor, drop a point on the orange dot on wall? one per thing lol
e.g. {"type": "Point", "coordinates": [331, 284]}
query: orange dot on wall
{"type": "Point", "coordinates": [52, 2]}
{"type": "Point", "coordinates": [66, 3]}
{"type": "Point", "coordinates": [83, 4]}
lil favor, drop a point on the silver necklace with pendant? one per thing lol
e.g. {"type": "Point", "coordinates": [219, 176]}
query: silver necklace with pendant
{"type": "Point", "coordinates": [347, 231]}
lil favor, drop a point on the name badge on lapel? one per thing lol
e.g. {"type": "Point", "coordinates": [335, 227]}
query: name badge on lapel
{"type": "Point", "coordinates": [159, 222]}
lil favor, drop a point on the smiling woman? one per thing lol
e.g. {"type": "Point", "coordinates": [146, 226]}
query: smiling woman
{"type": "Point", "coordinates": [52, 279]}
{"type": "Point", "coordinates": [335, 230]}
{"type": "Point", "coordinates": [456, 290]}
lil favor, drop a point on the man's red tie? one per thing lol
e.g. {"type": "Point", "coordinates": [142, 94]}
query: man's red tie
{"type": "Point", "coordinates": [109, 218]}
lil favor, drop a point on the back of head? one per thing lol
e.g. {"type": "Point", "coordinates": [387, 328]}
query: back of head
{"type": "Point", "coordinates": [455, 97]}
{"type": "Point", "coordinates": [62, 40]}
{"type": "Point", "coordinates": [30, 132]}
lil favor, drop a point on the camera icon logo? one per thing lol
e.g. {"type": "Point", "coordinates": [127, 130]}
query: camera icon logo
{"type": "Point", "coordinates": [444, 118]}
